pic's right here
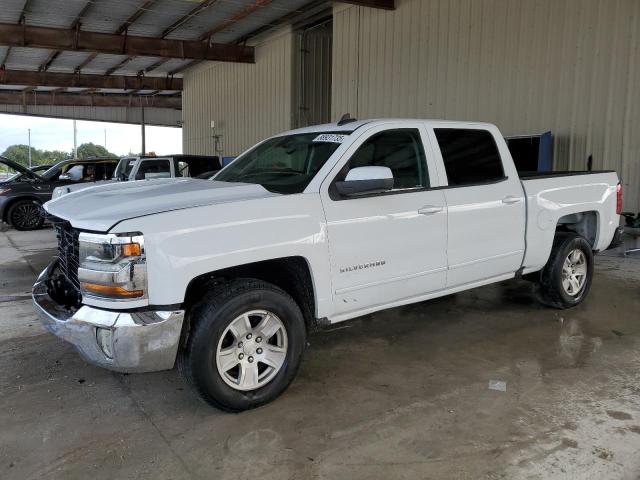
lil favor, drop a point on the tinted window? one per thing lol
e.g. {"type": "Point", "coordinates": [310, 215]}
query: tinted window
{"type": "Point", "coordinates": [89, 172]}
{"type": "Point", "coordinates": [401, 151]}
{"type": "Point", "coordinates": [153, 169]}
{"type": "Point", "coordinates": [470, 156]}
{"type": "Point", "coordinates": [108, 169]}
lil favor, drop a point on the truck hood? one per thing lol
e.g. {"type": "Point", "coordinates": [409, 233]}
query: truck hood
{"type": "Point", "coordinates": [101, 207]}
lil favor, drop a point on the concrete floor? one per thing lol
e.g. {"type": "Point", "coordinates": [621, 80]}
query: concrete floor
{"type": "Point", "coordinates": [399, 394]}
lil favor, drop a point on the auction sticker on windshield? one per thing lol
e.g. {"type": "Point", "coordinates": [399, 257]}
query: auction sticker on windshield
{"type": "Point", "coordinates": [329, 137]}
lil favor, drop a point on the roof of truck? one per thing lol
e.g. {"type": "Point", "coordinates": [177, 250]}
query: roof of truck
{"type": "Point", "coordinates": [354, 124]}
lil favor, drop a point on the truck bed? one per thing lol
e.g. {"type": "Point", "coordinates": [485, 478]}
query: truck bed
{"type": "Point", "coordinates": [566, 173]}
{"type": "Point", "coordinates": [554, 196]}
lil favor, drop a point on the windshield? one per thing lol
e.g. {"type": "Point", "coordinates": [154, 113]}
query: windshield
{"type": "Point", "coordinates": [125, 165]}
{"type": "Point", "coordinates": [284, 164]}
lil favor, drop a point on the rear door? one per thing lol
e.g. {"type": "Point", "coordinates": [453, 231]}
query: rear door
{"type": "Point", "coordinates": [391, 246]}
{"type": "Point", "coordinates": [486, 209]}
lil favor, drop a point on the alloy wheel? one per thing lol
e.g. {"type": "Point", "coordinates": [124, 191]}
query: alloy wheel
{"type": "Point", "coordinates": [574, 272]}
{"type": "Point", "coordinates": [252, 350]}
{"type": "Point", "coordinates": [26, 216]}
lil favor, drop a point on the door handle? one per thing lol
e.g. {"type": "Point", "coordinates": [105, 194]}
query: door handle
{"type": "Point", "coordinates": [430, 210]}
{"type": "Point", "coordinates": [509, 199]}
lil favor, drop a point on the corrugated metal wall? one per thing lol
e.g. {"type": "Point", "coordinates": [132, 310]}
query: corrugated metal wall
{"type": "Point", "coordinates": [153, 116]}
{"type": "Point", "coordinates": [248, 102]}
{"type": "Point", "coordinates": [313, 80]}
{"type": "Point", "coordinates": [570, 66]}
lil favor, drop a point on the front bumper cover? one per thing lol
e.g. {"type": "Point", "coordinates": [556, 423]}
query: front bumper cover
{"type": "Point", "coordinates": [144, 341]}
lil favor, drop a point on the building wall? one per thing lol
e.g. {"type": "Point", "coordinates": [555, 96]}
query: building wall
{"type": "Point", "coordinates": [569, 66]}
{"type": "Point", "coordinates": [248, 102]}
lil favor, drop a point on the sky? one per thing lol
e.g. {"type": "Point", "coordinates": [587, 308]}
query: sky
{"type": "Point", "coordinates": [57, 134]}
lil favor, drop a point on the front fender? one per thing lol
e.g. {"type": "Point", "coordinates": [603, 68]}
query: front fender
{"type": "Point", "coordinates": [185, 244]}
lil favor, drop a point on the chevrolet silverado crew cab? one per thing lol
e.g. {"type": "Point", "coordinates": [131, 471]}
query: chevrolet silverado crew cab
{"type": "Point", "coordinates": [312, 227]}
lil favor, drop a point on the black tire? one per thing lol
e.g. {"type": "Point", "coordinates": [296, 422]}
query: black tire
{"type": "Point", "coordinates": [208, 320]}
{"type": "Point", "coordinates": [25, 215]}
{"type": "Point", "coordinates": [550, 288]}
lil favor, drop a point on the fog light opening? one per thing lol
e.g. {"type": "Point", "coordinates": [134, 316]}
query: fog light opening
{"type": "Point", "coordinates": [104, 338]}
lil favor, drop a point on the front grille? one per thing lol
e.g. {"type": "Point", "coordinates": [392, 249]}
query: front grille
{"type": "Point", "coordinates": [68, 251]}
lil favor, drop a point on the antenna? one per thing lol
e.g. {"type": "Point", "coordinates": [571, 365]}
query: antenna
{"type": "Point", "coordinates": [346, 118]}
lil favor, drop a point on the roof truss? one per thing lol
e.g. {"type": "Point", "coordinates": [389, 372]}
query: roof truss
{"type": "Point", "coordinates": [383, 4]}
{"type": "Point", "coordinates": [89, 100]}
{"type": "Point", "coordinates": [75, 80]}
{"type": "Point", "coordinates": [79, 40]}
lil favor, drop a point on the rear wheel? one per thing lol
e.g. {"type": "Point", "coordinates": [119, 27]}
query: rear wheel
{"type": "Point", "coordinates": [566, 278]}
{"type": "Point", "coordinates": [245, 345]}
{"type": "Point", "coordinates": [25, 215]}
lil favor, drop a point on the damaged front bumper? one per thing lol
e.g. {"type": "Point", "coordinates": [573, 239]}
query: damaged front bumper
{"type": "Point", "coordinates": [140, 341]}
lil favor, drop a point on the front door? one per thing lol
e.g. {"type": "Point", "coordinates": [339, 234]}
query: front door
{"type": "Point", "coordinates": [387, 247]}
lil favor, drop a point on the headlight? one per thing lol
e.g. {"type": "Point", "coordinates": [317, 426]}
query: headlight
{"type": "Point", "coordinates": [113, 266]}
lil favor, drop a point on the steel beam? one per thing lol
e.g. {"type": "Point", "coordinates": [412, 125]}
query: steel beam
{"type": "Point", "coordinates": [75, 24]}
{"type": "Point", "coordinates": [71, 80]}
{"type": "Point", "coordinates": [383, 4]}
{"type": "Point", "coordinates": [89, 100]}
{"type": "Point", "coordinates": [82, 41]}
{"type": "Point", "coordinates": [129, 21]}
{"type": "Point", "coordinates": [21, 19]}
{"type": "Point", "coordinates": [185, 18]}
{"type": "Point", "coordinates": [242, 14]}
{"type": "Point", "coordinates": [171, 28]}
{"type": "Point", "coordinates": [122, 28]}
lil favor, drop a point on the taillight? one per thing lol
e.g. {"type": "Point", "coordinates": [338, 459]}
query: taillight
{"type": "Point", "coordinates": [619, 199]}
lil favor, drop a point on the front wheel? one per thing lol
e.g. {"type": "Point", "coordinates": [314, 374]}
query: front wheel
{"type": "Point", "coordinates": [245, 345]}
{"type": "Point", "coordinates": [566, 278]}
{"type": "Point", "coordinates": [25, 215]}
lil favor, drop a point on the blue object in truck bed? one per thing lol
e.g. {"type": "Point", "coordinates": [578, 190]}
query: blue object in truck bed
{"type": "Point", "coordinates": [532, 153]}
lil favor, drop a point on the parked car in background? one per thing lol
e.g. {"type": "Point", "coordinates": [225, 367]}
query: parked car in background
{"type": "Point", "coordinates": [311, 227]}
{"type": "Point", "coordinates": [153, 167]}
{"type": "Point", "coordinates": [23, 192]}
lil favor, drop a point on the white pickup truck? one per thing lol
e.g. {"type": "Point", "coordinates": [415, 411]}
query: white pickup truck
{"type": "Point", "coordinates": [150, 168]}
{"type": "Point", "coordinates": [309, 228]}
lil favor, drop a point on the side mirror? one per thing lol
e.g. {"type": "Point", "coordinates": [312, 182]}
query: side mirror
{"type": "Point", "coordinates": [366, 180]}
{"type": "Point", "coordinates": [65, 177]}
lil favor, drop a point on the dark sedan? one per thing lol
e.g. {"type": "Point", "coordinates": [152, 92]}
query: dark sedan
{"type": "Point", "coordinates": [22, 191]}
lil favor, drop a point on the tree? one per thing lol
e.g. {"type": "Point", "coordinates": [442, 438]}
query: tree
{"type": "Point", "coordinates": [89, 150]}
{"type": "Point", "coordinates": [50, 157]}
{"type": "Point", "coordinates": [20, 154]}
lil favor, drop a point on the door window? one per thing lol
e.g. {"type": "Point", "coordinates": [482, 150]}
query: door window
{"type": "Point", "coordinates": [153, 169]}
{"type": "Point", "coordinates": [470, 156]}
{"type": "Point", "coordinates": [400, 150]}
{"type": "Point", "coordinates": [182, 169]}
{"type": "Point", "coordinates": [107, 169]}
{"type": "Point", "coordinates": [89, 172]}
